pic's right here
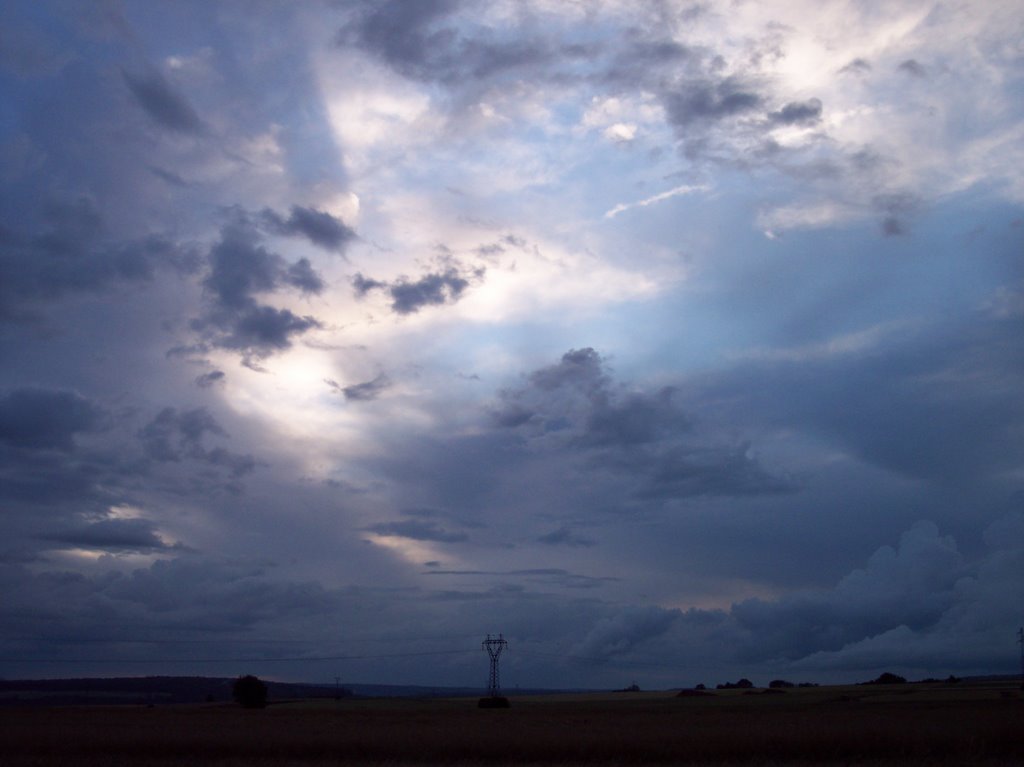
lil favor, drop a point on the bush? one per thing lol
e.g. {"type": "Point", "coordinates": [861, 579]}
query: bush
{"type": "Point", "coordinates": [888, 678]}
{"type": "Point", "coordinates": [493, 701]}
{"type": "Point", "coordinates": [742, 684]}
{"type": "Point", "coordinates": [249, 692]}
{"type": "Point", "coordinates": [695, 693]}
{"type": "Point", "coordinates": [779, 683]}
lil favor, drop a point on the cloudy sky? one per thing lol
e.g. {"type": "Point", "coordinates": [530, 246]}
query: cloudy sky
{"type": "Point", "coordinates": [675, 341]}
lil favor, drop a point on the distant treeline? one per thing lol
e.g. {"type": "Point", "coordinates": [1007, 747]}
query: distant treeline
{"type": "Point", "coordinates": [149, 689]}
{"type": "Point", "coordinates": [884, 678]}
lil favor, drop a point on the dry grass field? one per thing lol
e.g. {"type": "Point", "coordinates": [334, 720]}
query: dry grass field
{"type": "Point", "coordinates": [905, 724]}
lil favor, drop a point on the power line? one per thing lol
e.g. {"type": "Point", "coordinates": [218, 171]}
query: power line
{"type": "Point", "coordinates": [221, 638]}
{"type": "Point", "coordinates": [295, 658]}
{"type": "Point", "coordinates": [563, 656]}
{"type": "Point", "coordinates": [598, 659]}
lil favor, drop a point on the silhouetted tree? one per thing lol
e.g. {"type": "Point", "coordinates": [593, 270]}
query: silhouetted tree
{"type": "Point", "coordinates": [249, 692]}
{"type": "Point", "coordinates": [742, 684]}
{"type": "Point", "coordinates": [888, 678]}
{"type": "Point", "coordinates": [493, 701]}
{"type": "Point", "coordinates": [778, 683]}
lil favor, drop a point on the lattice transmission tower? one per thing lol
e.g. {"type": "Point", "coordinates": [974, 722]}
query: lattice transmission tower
{"type": "Point", "coordinates": [494, 647]}
{"type": "Point", "coordinates": [1020, 640]}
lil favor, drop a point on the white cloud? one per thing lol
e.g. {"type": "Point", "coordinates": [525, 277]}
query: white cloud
{"type": "Point", "coordinates": [675, 192]}
{"type": "Point", "coordinates": [620, 132]}
{"type": "Point", "coordinates": [848, 343]}
{"type": "Point", "coordinates": [816, 215]}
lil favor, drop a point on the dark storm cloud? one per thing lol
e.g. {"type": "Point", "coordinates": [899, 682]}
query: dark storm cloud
{"type": "Point", "coordinates": [644, 437]}
{"type": "Point", "coordinates": [643, 60]}
{"type": "Point", "coordinates": [417, 530]}
{"type": "Point", "coordinates": [918, 606]}
{"type": "Point", "coordinates": [624, 631]}
{"type": "Point", "coordinates": [857, 66]}
{"type": "Point", "coordinates": [912, 585]}
{"type": "Point", "coordinates": [47, 477]}
{"type": "Point", "coordinates": [685, 472]}
{"type": "Point", "coordinates": [579, 368]}
{"type": "Point", "coordinates": [450, 517]}
{"type": "Point", "coordinates": [893, 226]}
{"type": "Point", "coordinates": [237, 464]}
{"type": "Point", "coordinates": [913, 67]}
{"type": "Point", "coordinates": [173, 436]}
{"type": "Point", "coordinates": [40, 419]}
{"type": "Point", "coordinates": [798, 112]}
{"type": "Point", "coordinates": [169, 177]}
{"type": "Point", "coordinates": [896, 207]}
{"type": "Point", "coordinates": [182, 598]}
{"type": "Point", "coordinates": [364, 285]}
{"type": "Point", "coordinates": [546, 575]}
{"type": "Point", "coordinates": [633, 419]}
{"type": "Point", "coordinates": [368, 390]}
{"type": "Point", "coordinates": [261, 330]}
{"type": "Point", "coordinates": [38, 482]}
{"type": "Point", "coordinates": [302, 276]}
{"type": "Point", "coordinates": [241, 268]}
{"type": "Point", "coordinates": [511, 414]}
{"type": "Point", "coordinates": [53, 482]}
{"type": "Point", "coordinates": [361, 392]}
{"type": "Point", "coordinates": [163, 103]}
{"type": "Point", "coordinates": [938, 404]}
{"type": "Point", "coordinates": [69, 254]}
{"type": "Point", "coordinates": [708, 101]}
{"type": "Point", "coordinates": [112, 535]}
{"type": "Point", "coordinates": [440, 42]}
{"type": "Point", "coordinates": [319, 227]}
{"type": "Point", "coordinates": [206, 380]}
{"type": "Point", "coordinates": [400, 32]}
{"type": "Point", "coordinates": [415, 40]}
{"type": "Point", "coordinates": [432, 289]}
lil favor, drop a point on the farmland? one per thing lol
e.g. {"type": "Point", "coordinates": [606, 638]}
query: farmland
{"type": "Point", "coordinates": [878, 725]}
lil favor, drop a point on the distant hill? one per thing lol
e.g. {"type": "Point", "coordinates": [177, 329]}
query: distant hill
{"type": "Point", "coordinates": [423, 691]}
{"type": "Point", "coordinates": [153, 690]}
{"type": "Point", "coordinates": [145, 690]}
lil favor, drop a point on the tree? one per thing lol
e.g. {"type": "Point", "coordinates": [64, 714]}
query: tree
{"type": "Point", "coordinates": [249, 692]}
{"type": "Point", "coordinates": [888, 678]}
{"type": "Point", "coordinates": [742, 684]}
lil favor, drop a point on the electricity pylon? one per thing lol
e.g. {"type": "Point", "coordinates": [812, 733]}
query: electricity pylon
{"type": "Point", "coordinates": [494, 648]}
{"type": "Point", "coordinates": [1020, 639]}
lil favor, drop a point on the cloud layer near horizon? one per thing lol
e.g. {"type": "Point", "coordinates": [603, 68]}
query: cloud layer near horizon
{"type": "Point", "coordinates": [675, 342]}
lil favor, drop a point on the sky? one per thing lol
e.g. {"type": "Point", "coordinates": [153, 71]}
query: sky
{"type": "Point", "coordinates": [675, 342]}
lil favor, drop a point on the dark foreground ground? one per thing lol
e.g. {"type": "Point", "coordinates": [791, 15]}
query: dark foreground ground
{"type": "Point", "coordinates": [905, 724]}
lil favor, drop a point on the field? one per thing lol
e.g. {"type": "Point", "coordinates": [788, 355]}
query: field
{"type": "Point", "coordinates": [878, 725]}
